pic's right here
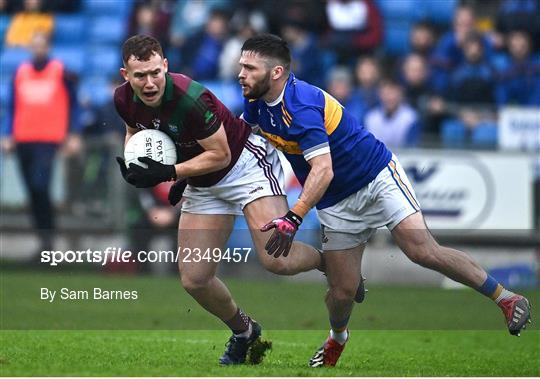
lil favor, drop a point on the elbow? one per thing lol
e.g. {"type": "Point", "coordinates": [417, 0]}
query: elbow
{"type": "Point", "coordinates": [224, 159]}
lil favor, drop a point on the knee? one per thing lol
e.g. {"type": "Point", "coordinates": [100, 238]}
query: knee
{"type": "Point", "coordinates": [193, 284]}
{"type": "Point", "coordinates": [342, 294]}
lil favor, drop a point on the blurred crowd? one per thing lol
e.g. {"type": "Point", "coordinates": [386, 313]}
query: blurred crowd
{"type": "Point", "coordinates": [414, 72]}
{"type": "Point", "coordinates": [441, 84]}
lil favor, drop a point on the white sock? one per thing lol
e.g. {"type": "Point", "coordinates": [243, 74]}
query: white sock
{"type": "Point", "coordinates": [245, 334]}
{"type": "Point", "coordinates": [340, 337]}
{"type": "Point", "coordinates": [505, 294]}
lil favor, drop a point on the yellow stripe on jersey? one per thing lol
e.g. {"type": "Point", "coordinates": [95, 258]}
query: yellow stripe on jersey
{"type": "Point", "coordinates": [289, 147]}
{"type": "Point", "coordinates": [287, 119]}
{"type": "Point", "coordinates": [403, 186]}
{"type": "Point", "coordinates": [332, 113]}
{"type": "Point", "coordinates": [285, 113]}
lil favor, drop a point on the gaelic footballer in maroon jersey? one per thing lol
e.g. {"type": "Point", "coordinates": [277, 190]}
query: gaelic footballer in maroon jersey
{"type": "Point", "coordinates": [187, 112]}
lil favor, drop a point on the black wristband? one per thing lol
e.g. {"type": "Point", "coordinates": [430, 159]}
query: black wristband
{"type": "Point", "coordinates": [291, 216]}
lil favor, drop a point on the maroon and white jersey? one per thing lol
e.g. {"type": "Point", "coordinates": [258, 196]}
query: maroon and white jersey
{"type": "Point", "coordinates": [188, 112]}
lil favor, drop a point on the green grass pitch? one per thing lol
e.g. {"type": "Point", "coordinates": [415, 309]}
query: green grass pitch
{"type": "Point", "coordinates": [396, 332]}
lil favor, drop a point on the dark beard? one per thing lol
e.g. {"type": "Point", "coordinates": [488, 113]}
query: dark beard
{"type": "Point", "coordinates": [260, 89]}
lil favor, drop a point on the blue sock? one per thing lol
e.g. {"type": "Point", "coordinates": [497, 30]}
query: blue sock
{"type": "Point", "coordinates": [489, 287]}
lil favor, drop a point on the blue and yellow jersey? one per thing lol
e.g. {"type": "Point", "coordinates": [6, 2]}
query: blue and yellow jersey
{"type": "Point", "coordinates": [304, 122]}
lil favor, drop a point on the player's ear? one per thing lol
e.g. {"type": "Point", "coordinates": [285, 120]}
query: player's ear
{"type": "Point", "coordinates": [124, 73]}
{"type": "Point", "coordinates": [165, 65]}
{"type": "Point", "coordinates": [277, 72]}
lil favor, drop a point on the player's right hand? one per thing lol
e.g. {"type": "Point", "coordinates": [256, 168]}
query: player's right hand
{"type": "Point", "coordinates": [176, 191]}
{"type": "Point", "coordinates": [281, 240]}
{"type": "Point", "coordinates": [124, 170]}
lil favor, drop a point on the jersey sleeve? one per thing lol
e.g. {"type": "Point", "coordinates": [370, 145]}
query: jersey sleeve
{"type": "Point", "coordinates": [250, 114]}
{"type": "Point", "coordinates": [204, 116]}
{"type": "Point", "coordinates": [120, 105]}
{"type": "Point", "coordinates": [308, 130]}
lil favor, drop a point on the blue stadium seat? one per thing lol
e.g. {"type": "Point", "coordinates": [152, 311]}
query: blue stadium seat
{"type": "Point", "coordinates": [118, 8]}
{"type": "Point", "coordinates": [73, 57]}
{"type": "Point", "coordinates": [69, 29]}
{"type": "Point", "coordinates": [6, 87]}
{"type": "Point", "coordinates": [453, 133]}
{"type": "Point", "coordinates": [229, 93]}
{"type": "Point", "coordinates": [401, 10]}
{"type": "Point", "coordinates": [439, 11]}
{"type": "Point", "coordinates": [94, 89]}
{"type": "Point", "coordinates": [4, 23]}
{"type": "Point", "coordinates": [396, 38]}
{"type": "Point", "coordinates": [104, 61]}
{"type": "Point", "coordinates": [11, 58]}
{"type": "Point", "coordinates": [485, 135]}
{"type": "Point", "coordinates": [107, 30]}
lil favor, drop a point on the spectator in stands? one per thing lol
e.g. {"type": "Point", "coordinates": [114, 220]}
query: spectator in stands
{"type": "Point", "coordinates": [306, 56]}
{"type": "Point", "coordinates": [367, 76]}
{"type": "Point", "coordinates": [189, 18]}
{"type": "Point", "coordinates": [448, 53]}
{"type": "Point", "coordinates": [422, 39]}
{"type": "Point", "coordinates": [520, 15]}
{"type": "Point", "coordinates": [244, 26]}
{"type": "Point", "coordinates": [201, 52]}
{"type": "Point", "coordinates": [340, 85]}
{"type": "Point", "coordinates": [519, 80]}
{"type": "Point", "coordinates": [29, 21]}
{"type": "Point", "coordinates": [472, 93]}
{"type": "Point", "coordinates": [415, 78]}
{"type": "Point", "coordinates": [152, 18]}
{"type": "Point", "coordinates": [355, 28]}
{"type": "Point", "coordinates": [394, 122]}
{"type": "Point", "coordinates": [44, 100]}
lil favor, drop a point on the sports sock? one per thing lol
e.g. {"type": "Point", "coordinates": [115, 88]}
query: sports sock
{"type": "Point", "coordinates": [494, 290]}
{"type": "Point", "coordinates": [239, 323]}
{"type": "Point", "coordinates": [339, 337]}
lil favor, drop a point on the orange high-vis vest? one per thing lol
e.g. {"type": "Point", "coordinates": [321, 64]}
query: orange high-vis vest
{"type": "Point", "coordinates": [41, 111]}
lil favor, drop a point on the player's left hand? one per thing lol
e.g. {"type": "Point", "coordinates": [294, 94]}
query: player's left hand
{"type": "Point", "coordinates": [281, 240]}
{"type": "Point", "coordinates": [151, 176]}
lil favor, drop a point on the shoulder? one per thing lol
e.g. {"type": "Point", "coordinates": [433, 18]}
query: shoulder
{"type": "Point", "coordinates": [122, 95]}
{"type": "Point", "coordinates": [408, 113]}
{"type": "Point", "coordinates": [299, 95]}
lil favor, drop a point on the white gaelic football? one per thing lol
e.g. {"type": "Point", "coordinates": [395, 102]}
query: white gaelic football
{"type": "Point", "coordinates": [150, 143]}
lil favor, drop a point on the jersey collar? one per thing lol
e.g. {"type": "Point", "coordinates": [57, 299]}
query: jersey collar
{"type": "Point", "coordinates": [280, 97]}
{"type": "Point", "coordinates": [167, 95]}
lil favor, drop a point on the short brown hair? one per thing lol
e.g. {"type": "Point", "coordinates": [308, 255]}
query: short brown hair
{"type": "Point", "coordinates": [142, 47]}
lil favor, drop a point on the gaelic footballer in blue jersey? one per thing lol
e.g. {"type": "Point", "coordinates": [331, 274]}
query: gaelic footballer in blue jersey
{"type": "Point", "coordinates": [356, 184]}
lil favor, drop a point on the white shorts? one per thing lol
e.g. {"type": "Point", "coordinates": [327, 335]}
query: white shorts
{"type": "Point", "coordinates": [257, 173]}
{"type": "Point", "coordinates": [385, 201]}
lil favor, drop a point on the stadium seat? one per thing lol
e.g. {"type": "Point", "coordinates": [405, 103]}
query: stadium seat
{"type": "Point", "coordinates": [69, 29]}
{"type": "Point", "coordinates": [73, 57]}
{"type": "Point", "coordinates": [485, 135]}
{"type": "Point", "coordinates": [94, 89]}
{"type": "Point", "coordinates": [439, 11]}
{"type": "Point", "coordinates": [6, 87]}
{"type": "Point", "coordinates": [4, 23]}
{"type": "Point", "coordinates": [400, 10]}
{"type": "Point", "coordinates": [396, 38]}
{"type": "Point", "coordinates": [120, 8]}
{"type": "Point", "coordinates": [107, 30]}
{"type": "Point", "coordinates": [453, 134]}
{"type": "Point", "coordinates": [11, 58]}
{"type": "Point", "coordinates": [104, 61]}
{"type": "Point", "coordinates": [228, 92]}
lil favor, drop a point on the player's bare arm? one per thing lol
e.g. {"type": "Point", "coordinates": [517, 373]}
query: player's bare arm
{"type": "Point", "coordinates": [317, 182]}
{"type": "Point", "coordinates": [216, 156]}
